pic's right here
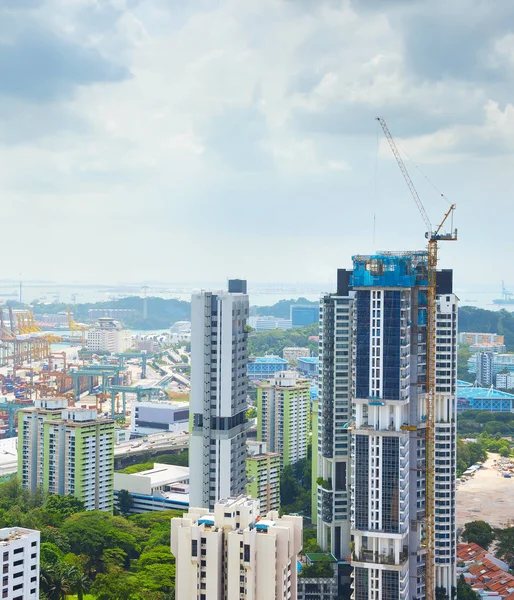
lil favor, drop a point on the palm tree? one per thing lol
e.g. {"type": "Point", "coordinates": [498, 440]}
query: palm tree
{"type": "Point", "coordinates": [79, 581]}
{"type": "Point", "coordinates": [56, 581]}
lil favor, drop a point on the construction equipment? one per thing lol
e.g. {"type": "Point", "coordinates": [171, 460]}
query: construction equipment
{"type": "Point", "coordinates": [433, 236]}
{"type": "Point", "coordinates": [74, 326]}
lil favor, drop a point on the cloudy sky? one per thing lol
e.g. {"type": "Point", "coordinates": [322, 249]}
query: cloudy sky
{"type": "Point", "coordinates": [191, 140]}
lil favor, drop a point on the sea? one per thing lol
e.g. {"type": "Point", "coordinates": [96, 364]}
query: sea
{"type": "Point", "coordinates": [260, 294]}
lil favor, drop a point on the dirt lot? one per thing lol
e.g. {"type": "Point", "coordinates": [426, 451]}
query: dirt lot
{"type": "Point", "coordinates": [487, 497]}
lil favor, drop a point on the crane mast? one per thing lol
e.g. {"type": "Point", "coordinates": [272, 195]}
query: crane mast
{"type": "Point", "coordinates": [433, 236]}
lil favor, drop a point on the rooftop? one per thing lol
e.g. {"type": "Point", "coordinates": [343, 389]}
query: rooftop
{"type": "Point", "coordinates": [469, 392]}
{"type": "Point", "coordinates": [163, 474]}
{"type": "Point", "coordinates": [313, 360]}
{"type": "Point", "coordinates": [9, 534]}
{"type": "Point", "coordinates": [270, 359]}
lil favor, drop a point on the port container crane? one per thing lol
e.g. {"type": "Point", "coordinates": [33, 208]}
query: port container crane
{"type": "Point", "coordinates": [434, 236]}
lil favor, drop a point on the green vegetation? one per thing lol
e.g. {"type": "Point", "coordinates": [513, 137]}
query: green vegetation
{"type": "Point", "coordinates": [181, 459]}
{"type": "Point", "coordinates": [465, 591]}
{"type": "Point", "coordinates": [478, 532]}
{"type": "Point", "coordinates": [469, 454]}
{"type": "Point", "coordinates": [488, 321]}
{"type": "Point", "coordinates": [281, 310]}
{"type": "Point", "coordinates": [463, 355]}
{"type": "Point", "coordinates": [321, 568]}
{"type": "Point", "coordinates": [295, 487]}
{"type": "Point", "coordinates": [110, 557]}
{"type": "Point", "coordinates": [472, 422]}
{"type": "Point", "coordinates": [161, 313]}
{"type": "Point", "coordinates": [275, 340]}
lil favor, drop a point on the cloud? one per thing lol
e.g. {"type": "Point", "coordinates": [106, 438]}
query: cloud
{"type": "Point", "coordinates": [172, 127]}
{"type": "Point", "coordinates": [39, 66]}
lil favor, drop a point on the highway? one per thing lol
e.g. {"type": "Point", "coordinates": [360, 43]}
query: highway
{"type": "Point", "coordinates": [155, 442]}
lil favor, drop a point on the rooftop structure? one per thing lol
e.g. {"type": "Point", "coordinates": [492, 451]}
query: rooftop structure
{"type": "Point", "coordinates": [159, 415]}
{"type": "Point", "coordinates": [292, 354]}
{"type": "Point", "coordinates": [470, 397]}
{"type": "Point", "coordinates": [164, 487]}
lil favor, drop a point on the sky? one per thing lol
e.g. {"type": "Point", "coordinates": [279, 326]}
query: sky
{"type": "Point", "coordinates": [195, 140]}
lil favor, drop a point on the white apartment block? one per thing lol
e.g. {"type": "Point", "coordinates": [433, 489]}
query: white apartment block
{"type": "Point", "coordinates": [373, 371]}
{"type": "Point", "coordinates": [217, 445]}
{"type": "Point", "coordinates": [234, 553]}
{"type": "Point", "coordinates": [505, 381]}
{"type": "Point", "coordinates": [109, 336]}
{"type": "Point", "coordinates": [67, 451]}
{"type": "Point", "coordinates": [19, 553]}
{"type": "Point", "coordinates": [292, 354]}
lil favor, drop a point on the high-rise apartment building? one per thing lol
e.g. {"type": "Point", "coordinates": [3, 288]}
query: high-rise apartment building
{"type": "Point", "coordinates": [19, 555]}
{"type": "Point", "coordinates": [372, 424]}
{"type": "Point", "coordinates": [67, 451]}
{"type": "Point", "coordinates": [283, 416]}
{"type": "Point", "coordinates": [263, 476]}
{"type": "Point", "coordinates": [484, 365]}
{"type": "Point", "coordinates": [217, 447]}
{"type": "Point", "coordinates": [234, 552]}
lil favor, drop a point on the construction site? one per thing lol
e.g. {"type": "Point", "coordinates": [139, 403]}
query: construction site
{"type": "Point", "coordinates": [31, 369]}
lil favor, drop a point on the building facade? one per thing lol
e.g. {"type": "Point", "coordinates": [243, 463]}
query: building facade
{"type": "Point", "coordinates": [472, 338]}
{"type": "Point", "coordinates": [67, 451]}
{"type": "Point", "coordinates": [108, 336]}
{"type": "Point", "coordinates": [484, 368]}
{"type": "Point", "coordinates": [163, 487]}
{"type": "Point", "coordinates": [150, 416]}
{"type": "Point", "coordinates": [264, 323]}
{"type": "Point", "coordinates": [304, 314]}
{"type": "Point", "coordinates": [263, 476]}
{"type": "Point", "coordinates": [308, 366]}
{"type": "Point", "coordinates": [293, 354]}
{"type": "Point", "coordinates": [264, 367]}
{"type": "Point", "coordinates": [217, 446]}
{"type": "Point", "coordinates": [283, 416]}
{"type": "Point", "coordinates": [19, 551]}
{"type": "Point", "coordinates": [372, 373]}
{"type": "Point", "coordinates": [235, 552]}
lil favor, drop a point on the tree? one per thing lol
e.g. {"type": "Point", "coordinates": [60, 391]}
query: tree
{"type": "Point", "coordinates": [64, 506]}
{"type": "Point", "coordinates": [115, 585]}
{"type": "Point", "coordinates": [465, 591]}
{"type": "Point", "coordinates": [56, 581]}
{"type": "Point", "coordinates": [125, 502]}
{"type": "Point", "coordinates": [505, 544]}
{"type": "Point", "coordinates": [50, 554]}
{"type": "Point", "coordinates": [478, 532]}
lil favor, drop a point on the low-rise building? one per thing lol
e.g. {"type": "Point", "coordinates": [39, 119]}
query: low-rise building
{"type": "Point", "coordinates": [266, 323]}
{"type": "Point", "coordinates": [294, 353]}
{"type": "Point", "coordinates": [108, 336]}
{"type": "Point", "coordinates": [468, 337]}
{"type": "Point", "coordinates": [263, 475]}
{"type": "Point", "coordinates": [159, 415]}
{"type": "Point", "coordinates": [308, 366]}
{"type": "Point", "coordinates": [304, 314]}
{"type": "Point", "coordinates": [264, 367]}
{"type": "Point", "coordinates": [235, 552]}
{"type": "Point", "coordinates": [505, 381]}
{"type": "Point", "coordinates": [19, 549]}
{"type": "Point", "coordinates": [164, 487]}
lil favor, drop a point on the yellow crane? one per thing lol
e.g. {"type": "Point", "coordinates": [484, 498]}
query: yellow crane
{"type": "Point", "coordinates": [74, 326]}
{"type": "Point", "coordinates": [434, 236]}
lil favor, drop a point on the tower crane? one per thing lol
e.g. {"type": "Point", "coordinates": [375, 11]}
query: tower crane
{"type": "Point", "coordinates": [74, 326]}
{"type": "Point", "coordinates": [434, 236]}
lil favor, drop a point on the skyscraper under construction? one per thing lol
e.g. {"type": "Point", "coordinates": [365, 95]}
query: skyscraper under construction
{"type": "Point", "coordinates": [371, 437]}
